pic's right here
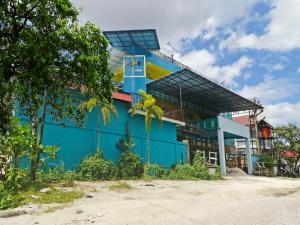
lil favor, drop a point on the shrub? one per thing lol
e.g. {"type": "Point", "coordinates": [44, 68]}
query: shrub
{"type": "Point", "coordinates": [218, 174]}
{"type": "Point", "coordinates": [268, 161]}
{"type": "Point", "coordinates": [157, 172]}
{"type": "Point", "coordinates": [182, 172]}
{"type": "Point", "coordinates": [57, 175]}
{"type": "Point", "coordinates": [94, 167]}
{"type": "Point", "coordinates": [129, 166]}
{"type": "Point", "coordinates": [15, 179]}
{"type": "Point", "coordinates": [200, 166]}
{"type": "Point", "coordinates": [8, 199]}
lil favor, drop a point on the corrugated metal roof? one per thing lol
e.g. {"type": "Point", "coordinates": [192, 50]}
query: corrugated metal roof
{"type": "Point", "coordinates": [125, 39]}
{"type": "Point", "coordinates": [199, 93]}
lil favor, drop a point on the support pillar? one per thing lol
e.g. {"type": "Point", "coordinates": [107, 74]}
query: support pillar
{"type": "Point", "coordinates": [188, 155]}
{"type": "Point", "coordinates": [222, 151]}
{"type": "Point", "coordinates": [249, 156]}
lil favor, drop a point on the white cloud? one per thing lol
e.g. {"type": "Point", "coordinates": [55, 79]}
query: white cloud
{"type": "Point", "coordinates": [247, 76]}
{"type": "Point", "coordinates": [271, 89]}
{"type": "Point", "coordinates": [278, 67]}
{"type": "Point", "coordinates": [282, 113]}
{"type": "Point", "coordinates": [174, 20]}
{"type": "Point", "coordinates": [204, 62]}
{"type": "Point", "coordinates": [282, 33]}
{"type": "Point", "coordinates": [298, 69]}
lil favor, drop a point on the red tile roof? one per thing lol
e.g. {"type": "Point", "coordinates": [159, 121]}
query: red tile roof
{"type": "Point", "coordinates": [242, 119]}
{"type": "Point", "coordinates": [122, 96]}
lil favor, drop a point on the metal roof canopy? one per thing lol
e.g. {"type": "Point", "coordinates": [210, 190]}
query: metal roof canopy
{"type": "Point", "coordinates": [124, 39]}
{"type": "Point", "coordinates": [115, 58]}
{"type": "Point", "coordinates": [198, 92]}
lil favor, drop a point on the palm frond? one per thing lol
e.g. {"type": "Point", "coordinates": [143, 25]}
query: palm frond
{"type": "Point", "coordinates": [106, 109]}
{"type": "Point", "coordinates": [137, 106]}
{"type": "Point", "coordinates": [106, 115]}
{"type": "Point", "coordinates": [112, 108]}
{"type": "Point", "coordinates": [91, 103]}
{"type": "Point", "coordinates": [142, 93]}
{"type": "Point", "coordinates": [157, 112]}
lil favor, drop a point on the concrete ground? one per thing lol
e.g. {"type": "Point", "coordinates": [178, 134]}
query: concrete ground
{"type": "Point", "coordinates": [235, 200]}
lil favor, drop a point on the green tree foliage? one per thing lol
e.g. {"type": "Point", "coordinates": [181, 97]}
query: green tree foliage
{"type": "Point", "coordinates": [45, 53]}
{"type": "Point", "coordinates": [287, 137]}
{"type": "Point", "coordinates": [17, 145]}
{"type": "Point", "coordinates": [105, 109]}
{"type": "Point", "coordinates": [147, 104]}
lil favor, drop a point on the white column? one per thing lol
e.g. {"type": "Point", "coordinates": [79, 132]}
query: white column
{"type": "Point", "coordinates": [249, 156]}
{"type": "Point", "coordinates": [222, 151]}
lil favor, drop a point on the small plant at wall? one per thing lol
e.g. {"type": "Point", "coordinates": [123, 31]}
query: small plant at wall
{"type": "Point", "coordinates": [105, 109]}
{"type": "Point", "coordinates": [157, 172]}
{"type": "Point", "coordinates": [147, 103]}
{"type": "Point", "coordinates": [200, 166]}
{"type": "Point", "coordinates": [125, 144]}
{"type": "Point", "coordinates": [94, 167]}
{"type": "Point", "coordinates": [129, 166]}
{"type": "Point", "coordinates": [183, 172]}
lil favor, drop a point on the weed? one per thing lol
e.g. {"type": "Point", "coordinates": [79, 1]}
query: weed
{"type": "Point", "coordinates": [120, 186]}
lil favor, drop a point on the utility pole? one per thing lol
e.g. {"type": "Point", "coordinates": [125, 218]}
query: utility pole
{"type": "Point", "coordinates": [253, 120]}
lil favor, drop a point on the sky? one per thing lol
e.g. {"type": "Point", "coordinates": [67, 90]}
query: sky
{"type": "Point", "coordinates": [251, 47]}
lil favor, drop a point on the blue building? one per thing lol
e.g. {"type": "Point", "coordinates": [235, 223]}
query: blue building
{"type": "Point", "coordinates": [197, 111]}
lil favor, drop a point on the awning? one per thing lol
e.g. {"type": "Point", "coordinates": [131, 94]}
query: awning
{"type": "Point", "coordinates": [125, 39]}
{"type": "Point", "coordinates": [199, 93]}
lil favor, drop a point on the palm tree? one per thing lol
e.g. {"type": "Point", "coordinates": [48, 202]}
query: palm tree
{"type": "Point", "coordinates": [147, 104]}
{"type": "Point", "coordinates": [105, 109]}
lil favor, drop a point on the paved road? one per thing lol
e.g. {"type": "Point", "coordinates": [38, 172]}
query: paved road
{"type": "Point", "coordinates": [233, 201]}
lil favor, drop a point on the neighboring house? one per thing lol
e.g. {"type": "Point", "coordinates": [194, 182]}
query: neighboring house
{"type": "Point", "coordinates": [197, 111]}
{"type": "Point", "coordinates": [265, 135]}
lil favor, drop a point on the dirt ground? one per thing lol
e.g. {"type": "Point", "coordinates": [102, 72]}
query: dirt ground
{"type": "Point", "coordinates": [235, 200]}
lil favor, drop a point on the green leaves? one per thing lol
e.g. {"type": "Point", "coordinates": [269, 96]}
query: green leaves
{"type": "Point", "coordinates": [17, 142]}
{"type": "Point", "coordinates": [129, 166]}
{"type": "Point", "coordinates": [91, 103]}
{"type": "Point", "coordinates": [147, 104]}
{"type": "Point", "coordinates": [125, 144]}
{"type": "Point", "coordinates": [287, 137]}
{"type": "Point", "coordinates": [95, 168]}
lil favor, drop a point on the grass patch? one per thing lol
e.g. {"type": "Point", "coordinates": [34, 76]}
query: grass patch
{"type": "Point", "coordinates": [120, 186]}
{"type": "Point", "coordinates": [52, 196]}
{"type": "Point", "coordinates": [94, 190]}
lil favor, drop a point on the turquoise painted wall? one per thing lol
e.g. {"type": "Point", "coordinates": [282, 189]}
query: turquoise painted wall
{"type": "Point", "coordinates": [75, 142]}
